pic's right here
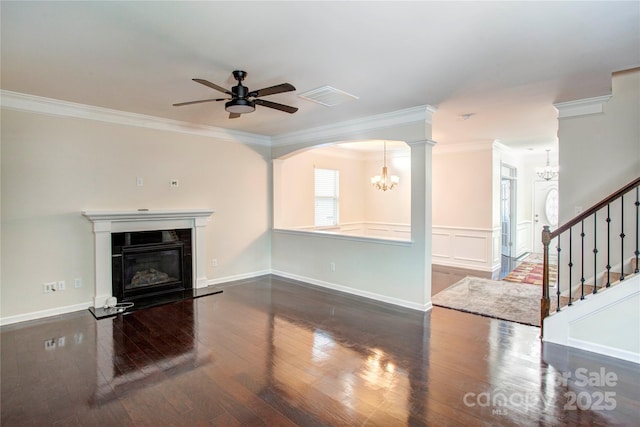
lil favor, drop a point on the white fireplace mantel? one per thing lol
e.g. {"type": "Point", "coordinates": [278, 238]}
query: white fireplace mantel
{"type": "Point", "coordinates": [107, 222]}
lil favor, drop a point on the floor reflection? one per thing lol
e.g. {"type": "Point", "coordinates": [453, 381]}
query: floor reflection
{"type": "Point", "coordinates": [363, 358]}
{"type": "Point", "coordinates": [139, 349]}
{"type": "Point", "coordinates": [271, 352]}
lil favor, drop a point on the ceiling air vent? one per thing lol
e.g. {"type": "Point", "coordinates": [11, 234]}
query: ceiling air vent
{"type": "Point", "coordinates": [328, 96]}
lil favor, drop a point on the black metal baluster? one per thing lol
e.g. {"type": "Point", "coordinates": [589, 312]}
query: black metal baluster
{"type": "Point", "coordinates": [622, 236]}
{"type": "Point", "coordinates": [558, 273]}
{"type": "Point", "coordinates": [595, 252]}
{"type": "Point", "coordinates": [570, 266]}
{"type": "Point", "coordinates": [582, 261]}
{"type": "Point", "coordinates": [637, 252]}
{"type": "Point", "coordinates": [608, 245]}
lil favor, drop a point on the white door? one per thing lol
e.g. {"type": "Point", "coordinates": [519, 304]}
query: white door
{"type": "Point", "coordinates": [545, 210]}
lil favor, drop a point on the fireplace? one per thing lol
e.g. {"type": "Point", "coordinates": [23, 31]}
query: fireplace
{"type": "Point", "coordinates": [106, 223]}
{"type": "Point", "coordinates": [150, 263]}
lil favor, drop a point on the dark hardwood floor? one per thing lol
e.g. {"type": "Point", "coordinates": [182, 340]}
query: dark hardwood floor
{"type": "Point", "coordinates": [273, 352]}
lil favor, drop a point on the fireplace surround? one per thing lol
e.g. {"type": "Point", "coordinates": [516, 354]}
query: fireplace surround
{"type": "Point", "coordinates": [106, 223]}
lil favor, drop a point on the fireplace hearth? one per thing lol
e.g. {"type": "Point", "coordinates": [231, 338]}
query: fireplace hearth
{"type": "Point", "coordinates": [150, 263]}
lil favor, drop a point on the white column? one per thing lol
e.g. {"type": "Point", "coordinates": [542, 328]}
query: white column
{"type": "Point", "coordinates": [421, 222]}
{"type": "Point", "coordinates": [104, 289]}
{"type": "Point", "coordinates": [199, 249]}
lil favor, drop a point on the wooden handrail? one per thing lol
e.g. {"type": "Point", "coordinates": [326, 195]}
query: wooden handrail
{"type": "Point", "coordinates": [586, 214]}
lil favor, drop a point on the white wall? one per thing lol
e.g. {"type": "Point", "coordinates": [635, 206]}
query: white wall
{"type": "Point", "coordinates": [391, 206]}
{"type": "Point", "coordinates": [599, 153]}
{"type": "Point", "coordinates": [606, 323]}
{"type": "Point", "coordinates": [462, 186]}
{"type": "Point", "coordinates": [54, 167]}
{"type": "Point", "coordinates": [360, 202]}
{"type": "Point", "coordinates": [296, 184]}
{"type": "Point", "coordinates": [464, 235]}
{"type": "Point", "coordinates": [599, 142]}
{"type": "Point", "coordinates": [396, 272]}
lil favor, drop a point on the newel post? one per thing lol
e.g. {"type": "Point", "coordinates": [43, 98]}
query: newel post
{"type": "Point", "coordinates": [545, 302]}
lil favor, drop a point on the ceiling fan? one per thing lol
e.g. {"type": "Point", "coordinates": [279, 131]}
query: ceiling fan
{"type": "Point", "coordinates": [242, 100]}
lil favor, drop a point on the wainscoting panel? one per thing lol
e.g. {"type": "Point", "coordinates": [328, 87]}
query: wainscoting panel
{"type": "Point", "coordinates": [524, 243]}
{"type": "Point", "coordinates": [441, 245]}
{"type": "Point", "coordinates": [470, 248]}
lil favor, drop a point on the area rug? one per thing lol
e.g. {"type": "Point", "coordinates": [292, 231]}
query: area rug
{"type": "Point", "coordinates": [530, 271]}
{"type": "Point", "coordinates": [516, 302]}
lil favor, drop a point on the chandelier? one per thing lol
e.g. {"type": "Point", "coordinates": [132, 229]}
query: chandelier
{"type": "Point", "coordinates": [548, 172]}
{"type": "Point", "coordinates": [385, 181]}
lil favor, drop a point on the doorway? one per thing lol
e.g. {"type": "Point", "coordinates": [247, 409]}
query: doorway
{"type": "Point", "coordinates": [545, 210]}
{"type": "Point", "coordinates": [508, 198]}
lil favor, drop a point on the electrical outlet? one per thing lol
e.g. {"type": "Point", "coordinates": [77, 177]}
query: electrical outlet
{"type": "Point", "coordinates": [214, 262]}
{"type": "Point", "coordinates": [49, 287]}
{"type": "Point", "coordinates": [50, 344]}
{"type": "Point", "coordinates": [77, 283]}
{"type": "Point", "coordinates": [175, 183]}
{"type": "Point", "coordinates": [61, 285]}
{"type": "Point", "coordinates": [139, 181]}
{"type": "Point", "coordinates": [60, 342]}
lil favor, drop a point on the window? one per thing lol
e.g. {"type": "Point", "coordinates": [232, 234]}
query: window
{"type": "Point", "coordinates": [326, 197]}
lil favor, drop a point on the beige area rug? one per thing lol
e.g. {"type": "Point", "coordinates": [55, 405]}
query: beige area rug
{"type": "Point", "coordinates": [516, 302]}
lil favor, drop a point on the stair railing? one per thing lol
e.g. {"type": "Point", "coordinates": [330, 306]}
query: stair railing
{"type": "Point", "coordinates": [597, 230]}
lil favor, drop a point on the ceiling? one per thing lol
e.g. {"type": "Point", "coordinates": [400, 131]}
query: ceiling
{"type": "Point", "coordinates": [505, 63]}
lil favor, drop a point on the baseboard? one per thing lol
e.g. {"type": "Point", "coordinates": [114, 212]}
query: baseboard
{"type": "Point", "coordinates": [220, 280]}
{"type": "Point", "coordinates": [357, 292]}
{"type": "Point", "coordinates": [45, 313]}
{"type": "Point", "coordinates": [485, 272]}
{"type": "Point", "coordinates": [603, 349]}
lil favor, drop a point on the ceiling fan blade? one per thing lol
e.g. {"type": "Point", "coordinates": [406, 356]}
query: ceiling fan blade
{"type": "Point", "coordinates": [275, 105]}
{"type": "Point", "coordinates": [234, 115]}
{"type": "Point", "coordinates": [284, 87]}
{"type": "Point", "coordinates": [212, 86]}
{"type": "Point", "coordinates": [180, 104]}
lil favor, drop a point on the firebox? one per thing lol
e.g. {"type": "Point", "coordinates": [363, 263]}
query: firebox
{"type": "Point", "coordinates": [149, 263]}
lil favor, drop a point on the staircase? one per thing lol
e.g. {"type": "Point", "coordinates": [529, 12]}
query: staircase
{"type": "Point", "coordinates": [597, 255]}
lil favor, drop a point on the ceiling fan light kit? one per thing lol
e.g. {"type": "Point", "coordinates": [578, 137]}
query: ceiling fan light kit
{"type": "Point", "coordinates": [240, 106]}
{"type": "Point", "coordinates": [242, 100]}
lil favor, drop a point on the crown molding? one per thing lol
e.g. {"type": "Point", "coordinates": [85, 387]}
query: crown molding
{"type": "Point", "coordinates": [423, 113]}
{"type": "Point", "coordinates": [54, 107]}
{"type": "Point", "coordinates": [37, 104]}
{"type": "Point", "coordinates": [581, 107]}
